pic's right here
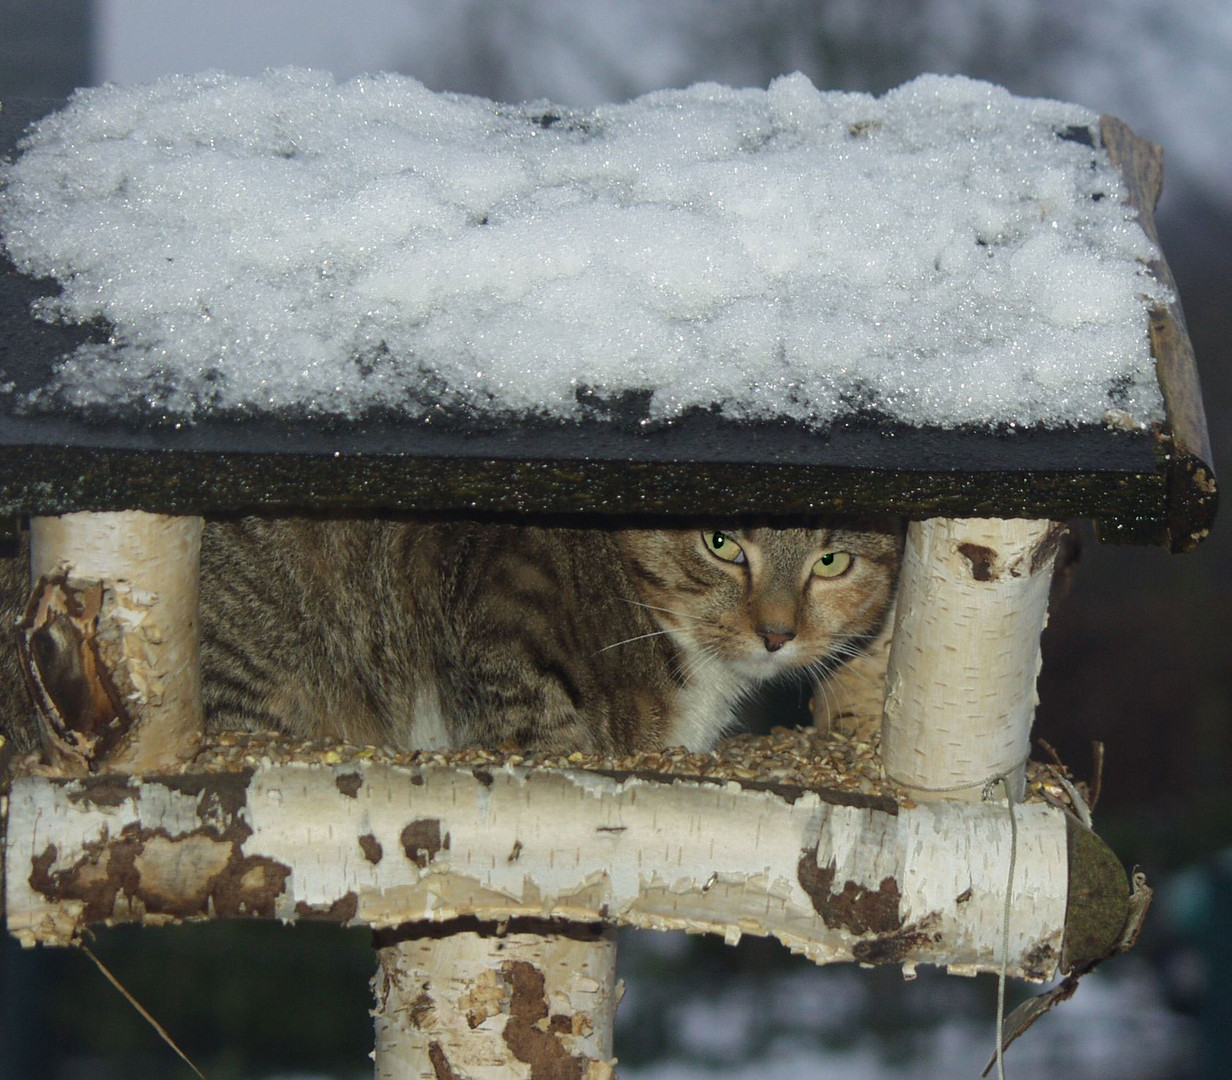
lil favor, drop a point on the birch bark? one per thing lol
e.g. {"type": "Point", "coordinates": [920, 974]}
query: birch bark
{"type": "Point", "coordinates": [109, 639]}
{"type": "Point", "coordinates": [385, 845]}
{"type": "Point", "coordinates": [960, 687]}
{"type": "Point", "coordinates": [536, 1000]}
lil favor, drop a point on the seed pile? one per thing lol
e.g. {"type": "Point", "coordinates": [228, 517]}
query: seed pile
{"type": "Point", "coordinates": [804, 758]}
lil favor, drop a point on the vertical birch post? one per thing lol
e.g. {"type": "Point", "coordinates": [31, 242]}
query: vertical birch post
{"type": "Point", "coordinates": [960, 687]}
{"type": "Point", "coordinates": [459, 1000]}
{"type": "Point", "coordinates": [109, 639]}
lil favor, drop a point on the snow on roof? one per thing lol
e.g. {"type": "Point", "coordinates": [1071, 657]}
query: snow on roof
{"type": "Point", "coordinates": [938, 255]}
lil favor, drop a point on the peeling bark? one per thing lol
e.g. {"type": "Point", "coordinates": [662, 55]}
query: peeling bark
{"type": "Point", "coordinates": [834, 881]}
{"type": "Point", "coordinates": [421, 840]}
{"type": "Point", "coordinates": [109, 639]}
{"type": "Point", "coordinates": [535, 1000]}
{"type": "Point", "coordinates": [855, 907]}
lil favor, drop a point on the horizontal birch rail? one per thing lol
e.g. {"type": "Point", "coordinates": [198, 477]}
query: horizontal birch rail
{"type": "Point", "coordinates": [835, 877]}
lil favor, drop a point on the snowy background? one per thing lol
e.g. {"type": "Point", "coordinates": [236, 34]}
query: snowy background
{"type": "Point", "coordinates": [1138, 656]}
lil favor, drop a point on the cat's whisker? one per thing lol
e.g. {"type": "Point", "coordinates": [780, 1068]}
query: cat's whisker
{"type": "Point", "coordinates": [669, 611]}
{"type": "Point", "coordinates": [823, 675]}
{"type": "Point", "coordinates": [851, 651]}
{"type": "Point", "coordinates": [839, 697]}
{"type": "Point", "coordinates": [819, 702]}
{"type": "Point", "coordinates": [692, 666]}
{"type": "Point", "coordinates": [838, 657]}
{"type": "Point", "coordinates": [820, 681]}
{"type": "Point", "coordinates": [820, 667]}
{"type": "Point", "coordinates": [838, 705]}
{"type": "Point", "coordinates": [705, 657]}
{"type": "Point", "coordinates": [747, 691]}
{"type": "Point", "coordinates": [857, 673]}
{"type": "Point", "coordinates": [848, 648]}
{"type": "Point", "coordinates": [639, 637]}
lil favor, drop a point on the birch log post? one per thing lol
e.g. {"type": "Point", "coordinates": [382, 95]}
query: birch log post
{"type": "Point", "coordinates": [531, 998]}
{"type": "Point", "coordinates": [960, 687]}
{"type": "Point", "coordinates": [838, 877]}
{"type": "Point", "coordinates": [109, 639]}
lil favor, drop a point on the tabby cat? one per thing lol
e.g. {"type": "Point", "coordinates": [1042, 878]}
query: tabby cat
{"type": "Point", "coordinates": [450, 634]}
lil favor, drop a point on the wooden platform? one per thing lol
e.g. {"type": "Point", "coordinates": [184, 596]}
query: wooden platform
{"type": "Point", "coordinates": [1148, 487]}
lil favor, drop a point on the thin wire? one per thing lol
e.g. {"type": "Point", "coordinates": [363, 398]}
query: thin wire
{"type": "Point", "coordinates": [1002, 976]}
{"type": "Point", "coordinates": [986, 790]}
{"type": "Point", "coordinates": [138, 1006]}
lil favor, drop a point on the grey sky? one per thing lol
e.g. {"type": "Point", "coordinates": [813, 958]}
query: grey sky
{"type": "Point", "coordinates": [1164, 68]}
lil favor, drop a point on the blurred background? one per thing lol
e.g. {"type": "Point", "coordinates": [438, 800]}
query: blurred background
{"type": "Point", "coordinates": [1137, 656]}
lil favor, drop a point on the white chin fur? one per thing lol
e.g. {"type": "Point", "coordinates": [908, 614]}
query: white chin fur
{"type": "Point", "coordinates": [703, 710]}
{"type": "Point", "coordinates": [761, 664]}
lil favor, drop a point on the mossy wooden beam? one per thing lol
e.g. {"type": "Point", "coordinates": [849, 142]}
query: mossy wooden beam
{"type": "Point", "coordinates": [1096, 909]}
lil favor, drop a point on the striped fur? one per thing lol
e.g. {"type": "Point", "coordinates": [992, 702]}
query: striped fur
{"type": "Point", "coordinates": [425, 634]}
{"type": "Point", "coordinates": [448, 634]}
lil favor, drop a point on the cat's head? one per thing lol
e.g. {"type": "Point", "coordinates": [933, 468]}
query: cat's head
{"type": "Point", "coordinates": [765, 601]}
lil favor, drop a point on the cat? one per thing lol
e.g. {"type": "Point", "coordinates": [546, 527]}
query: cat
{"type": "Point", "coordinates": [450, 634]}
{"type": "Point", "coordinates": [445, 634]}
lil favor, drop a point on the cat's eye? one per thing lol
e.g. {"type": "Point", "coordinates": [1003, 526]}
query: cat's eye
{"type": "Point", "coordinates": [832, 564]}
{"type": "Point", "coordinates": [722, 546]}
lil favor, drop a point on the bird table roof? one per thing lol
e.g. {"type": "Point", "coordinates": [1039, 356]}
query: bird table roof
{"type": "Point", "coordinates": [286, 293]}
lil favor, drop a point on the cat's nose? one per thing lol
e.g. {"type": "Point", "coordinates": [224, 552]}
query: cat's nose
{"type": "Point", "coordinates": [775, 639]}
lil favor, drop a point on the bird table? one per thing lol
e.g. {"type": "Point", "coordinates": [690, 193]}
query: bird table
{"type": "Point", "coordinates": [436, 853]}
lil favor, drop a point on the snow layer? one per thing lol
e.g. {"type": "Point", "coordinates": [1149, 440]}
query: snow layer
{"type": "Point", "coordinates": [288, 243]}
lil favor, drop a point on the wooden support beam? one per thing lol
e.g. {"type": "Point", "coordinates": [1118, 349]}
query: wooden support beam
{"type": "Point", "coordinates": [109, 638]}
{"type": "Point", "coordinates": [960, 688]}
{"type": "Point", "coordinates": [531, 998]}
{"type": "Point", "coordinates": [1192, 494]}
{"type": "Point", "coordinates": [835, 877]}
